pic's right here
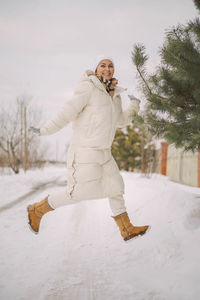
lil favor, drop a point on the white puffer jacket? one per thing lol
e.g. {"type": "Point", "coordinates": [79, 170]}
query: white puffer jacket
{"type": "Point", "coordinates": [92, 172]}
{"type": "Point", "coordinates": [95, 115]}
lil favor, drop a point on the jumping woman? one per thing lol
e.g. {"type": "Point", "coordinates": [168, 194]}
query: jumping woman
{"type": "Point", "coordinates": [95, 111]}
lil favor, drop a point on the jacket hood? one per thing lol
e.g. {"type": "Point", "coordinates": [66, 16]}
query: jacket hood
{"type": "Point", "coordinates": [89, 75]}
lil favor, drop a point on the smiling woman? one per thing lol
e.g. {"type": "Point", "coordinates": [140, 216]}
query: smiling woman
{"type": "Point", "coordinates": [105, 69]}
{"type": "Point", "coordinates": [96, 112]}
{"type": "Point", "coordinates": [104, 72]}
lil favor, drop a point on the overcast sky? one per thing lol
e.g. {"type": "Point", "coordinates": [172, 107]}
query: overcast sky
{"type": "Point", "coordinates": [46, 45]}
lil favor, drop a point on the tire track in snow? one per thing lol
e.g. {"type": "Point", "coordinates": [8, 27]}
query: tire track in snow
{"type": "Point", "coordinates": [83, 271]}
{"type": "Point", "coordinates": [35, 191]}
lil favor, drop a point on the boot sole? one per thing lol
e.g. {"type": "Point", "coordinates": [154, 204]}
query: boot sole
{"type": "Point", "coordinates": [29, 224]}
{"type": "Point", "coordinates": [137, 235]}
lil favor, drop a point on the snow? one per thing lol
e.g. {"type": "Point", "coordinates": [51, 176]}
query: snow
{"type": "Point", "coordinates": [79, 253]}
{"type": "Point", "coordinates": [15, 186]}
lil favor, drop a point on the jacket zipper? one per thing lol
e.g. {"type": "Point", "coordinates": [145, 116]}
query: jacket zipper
{"type": "Point", "coordinates": [112, 108]}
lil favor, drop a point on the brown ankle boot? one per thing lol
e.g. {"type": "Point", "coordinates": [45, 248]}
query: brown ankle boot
{"type": "Point", "coordinates": [127, 230]}
{"type": "Point", "coordinates": [36, 212]}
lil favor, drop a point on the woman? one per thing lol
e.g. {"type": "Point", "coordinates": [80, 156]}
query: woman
{"type": "Point", "coordinates": [96, 112]}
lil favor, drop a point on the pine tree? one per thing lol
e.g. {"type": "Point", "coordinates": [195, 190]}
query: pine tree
{"type": "Point", "coordinates": [126, 148]}
{"type": "Point", "coordinates": [173, 92]}
{"type": "Point", "coordinates": [133, 148]}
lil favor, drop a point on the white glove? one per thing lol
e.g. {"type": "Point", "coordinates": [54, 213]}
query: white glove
{"type": "Point", "coordinates": [135, 103]}
{"type": "Point", "coordinates": [35, 130]}
{"type": "Point", "coordinates": [133, 98]}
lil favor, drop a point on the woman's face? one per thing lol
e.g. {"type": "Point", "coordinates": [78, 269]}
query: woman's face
{"type": "Point", "coordinates": [105, 69]}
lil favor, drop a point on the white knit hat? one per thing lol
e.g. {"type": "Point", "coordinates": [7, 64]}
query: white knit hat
{"type": "Point", "coordinates": [99, 58]}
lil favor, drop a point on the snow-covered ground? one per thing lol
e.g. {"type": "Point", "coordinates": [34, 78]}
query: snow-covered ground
{"type": "Point", "coordinates": [79, 253]}
{"type": "Point", "coordinates": [14, 187]}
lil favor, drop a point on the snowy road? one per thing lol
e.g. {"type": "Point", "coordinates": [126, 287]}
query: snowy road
{"type": "Point", "coordinates": [80, 255]}
{"type": "Point", "coordinates": [28, 196]}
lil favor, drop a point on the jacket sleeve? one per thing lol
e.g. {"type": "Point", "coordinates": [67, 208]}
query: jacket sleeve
{"type": "Point", "coordinates": [70, 109]}
{"type": "Point", "coordinates": [127, 115]}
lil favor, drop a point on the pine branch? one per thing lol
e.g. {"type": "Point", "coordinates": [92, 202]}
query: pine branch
{"type": "Point", "coordinates": [197, 4]}
{"type": "Point", "coordinates": [143, 79]}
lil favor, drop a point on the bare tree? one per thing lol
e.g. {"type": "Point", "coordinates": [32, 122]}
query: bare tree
{"type": "Point", "coordinates": [147, 146]}
{"type": "Point", "coordinates": [18, 145]}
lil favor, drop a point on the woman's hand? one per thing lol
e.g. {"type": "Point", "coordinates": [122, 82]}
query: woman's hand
{"type": "Point", "coordinates": [133, 98]}
{"type": "Point", "coordinates": [135, 103]}
{"type": "Point", "coordinates": [35, 130]}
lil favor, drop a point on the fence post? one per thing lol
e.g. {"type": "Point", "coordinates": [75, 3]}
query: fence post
{"type": "Point", "coordinates": [163, 164]}
{"type": "Point", "coordinates": [180, 166]}
{"type": "Point", "coordinates": [198, 169]}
